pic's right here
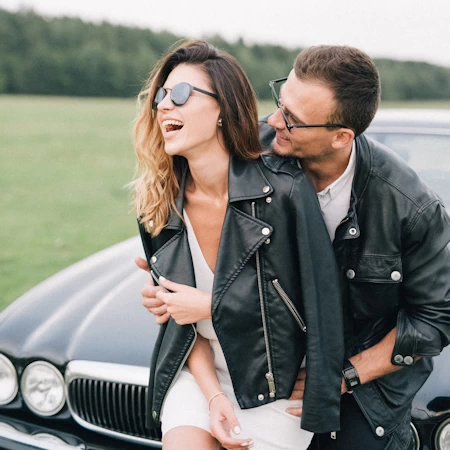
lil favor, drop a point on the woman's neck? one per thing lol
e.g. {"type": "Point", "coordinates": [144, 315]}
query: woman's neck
{"type": "Point", "coordinates": [209, 175]}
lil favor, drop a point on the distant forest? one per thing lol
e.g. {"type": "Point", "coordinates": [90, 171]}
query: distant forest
{"type": "Point", "coordinates": [67, 56]}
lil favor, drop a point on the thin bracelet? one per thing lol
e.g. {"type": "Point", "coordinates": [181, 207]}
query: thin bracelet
{"type": "Point", "coordinates": [215, 395]}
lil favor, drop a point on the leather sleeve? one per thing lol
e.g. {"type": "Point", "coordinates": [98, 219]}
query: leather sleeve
{"type": "Point", "coordinates": [321, 295]}
{"type": "Point", "coordinates": [423, 324]}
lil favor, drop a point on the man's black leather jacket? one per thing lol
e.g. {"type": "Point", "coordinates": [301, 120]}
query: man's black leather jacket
{"type": "Point", "coordinates": [394, 259]}
{"type": "Point", "coordinates": [275, 272]}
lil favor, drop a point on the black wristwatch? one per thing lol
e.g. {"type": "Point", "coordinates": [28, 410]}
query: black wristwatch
{"type": "Point", "coordinates": [351, 376]}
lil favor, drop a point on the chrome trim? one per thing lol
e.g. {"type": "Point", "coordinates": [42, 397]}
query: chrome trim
{"type": "Point", "coordinates": [416, 436]}
{"type": "Point", "coordinates": [109, 372]}
{"type": "Point", "coordinates": [438, 432]}
{"type": "Point", "coordinates": [117, 435]}
{"type": "Point", "coordinates": [16, 389]}
{"type": "Point", "coordinates": [115, 373]}
{"type": "Point", "coordinates": [33, 441]}
{"type": "Point", "coordinates": [392, 129]}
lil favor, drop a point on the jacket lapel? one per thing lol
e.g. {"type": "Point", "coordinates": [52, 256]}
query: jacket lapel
{"type": "Point", "coordinates": [242, 234]}
{"type": "Point", "coordinates": [173, 260]}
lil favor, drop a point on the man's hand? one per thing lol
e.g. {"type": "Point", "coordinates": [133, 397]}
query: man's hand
{"type": "Point", "coordinates": [142, 263]}
{"type": "Point", "coordinates": [298, 393]}
{"type": "Point", "coordinates": [149, 300]}
{"type": "Point", "coordinates": [185, 304]}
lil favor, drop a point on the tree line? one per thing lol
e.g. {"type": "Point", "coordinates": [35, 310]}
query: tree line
{"type": "Point", "coordinates": [68, 56]}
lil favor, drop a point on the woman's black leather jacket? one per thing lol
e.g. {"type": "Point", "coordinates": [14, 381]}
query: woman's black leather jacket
{"type": "Point", "coordinates": [276, 294]}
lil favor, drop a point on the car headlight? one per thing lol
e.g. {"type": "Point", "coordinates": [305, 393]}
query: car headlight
{"type": "Point", "coordinates": [442, 436]}
{"type": "Point", "coordinates": [42, 387]}
{"type": "Point", "coordinates": [8, 381]}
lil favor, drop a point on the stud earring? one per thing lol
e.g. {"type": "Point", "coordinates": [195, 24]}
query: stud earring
{"type": "Point", "coordinates": [219, 122]}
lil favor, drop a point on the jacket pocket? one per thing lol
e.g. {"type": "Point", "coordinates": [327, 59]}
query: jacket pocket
{"type": "Point", "coordinates": [290, 305]}
{"type": "Point", "coordinates": [374, 285]}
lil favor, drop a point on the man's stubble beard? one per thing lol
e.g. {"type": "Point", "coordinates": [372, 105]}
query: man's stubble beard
{"type": "Point", "coordinates": [323, 156]}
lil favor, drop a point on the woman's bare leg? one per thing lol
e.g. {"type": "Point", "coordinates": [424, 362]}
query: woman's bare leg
{"type": "Point", "coordinates": [189, 438]}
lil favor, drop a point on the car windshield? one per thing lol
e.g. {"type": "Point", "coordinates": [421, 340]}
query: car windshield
{"type": "Point", "coordinates": [427, 154]}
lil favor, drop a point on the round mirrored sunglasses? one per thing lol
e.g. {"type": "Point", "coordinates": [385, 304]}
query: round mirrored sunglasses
{"type": "Point", "coordinates": [179, 94]}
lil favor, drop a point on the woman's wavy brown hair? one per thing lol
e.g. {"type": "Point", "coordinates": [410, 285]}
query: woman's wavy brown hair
{"type": "Point", "coordinates": [157, 187]}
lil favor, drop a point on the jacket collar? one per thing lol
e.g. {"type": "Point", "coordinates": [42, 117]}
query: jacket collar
{"type": "Point", "coordinates": [364, 157]}
{"type": "Point", "coordinates": [364, 163]}
{"type": "Point", "coordinates": [246, 181]}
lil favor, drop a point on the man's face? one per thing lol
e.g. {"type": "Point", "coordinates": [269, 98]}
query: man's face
{"type": "Point", "coordinates": [304, 103]}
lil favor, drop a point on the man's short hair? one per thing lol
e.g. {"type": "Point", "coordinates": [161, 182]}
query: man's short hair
{"type": "Point", "coordinates": [351, 75]}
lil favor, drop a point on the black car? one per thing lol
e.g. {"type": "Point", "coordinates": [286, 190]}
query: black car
{"type": "Point", "coordinates": [75, 350]}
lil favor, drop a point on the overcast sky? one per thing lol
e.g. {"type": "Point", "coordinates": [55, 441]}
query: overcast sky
{"type": "Point", "coordinates": [401, 29]}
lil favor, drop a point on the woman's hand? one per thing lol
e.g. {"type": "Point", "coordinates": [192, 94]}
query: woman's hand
{"type": "Point", "coordinates": [184, 303]}
{"type": "Point", "coordinates": [222, 421]}
{"type": "Point", "coordinates": [149, 300]}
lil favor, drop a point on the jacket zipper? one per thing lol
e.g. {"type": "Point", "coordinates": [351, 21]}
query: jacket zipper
{"type": "Point", "coordinates": [185, 356]}
{"type": "Point", "coordinates": [289, 304]}
{"type": "Point", "coordinates": [269, 375]}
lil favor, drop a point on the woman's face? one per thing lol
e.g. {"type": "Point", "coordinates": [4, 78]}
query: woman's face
{"type": "Point", "coordinates": [192, 127]}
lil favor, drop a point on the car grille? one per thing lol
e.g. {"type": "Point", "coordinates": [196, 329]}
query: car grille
{"type": "Point", "coordinates": [115, 406]}
{"type": "Point", "coordinates": [109, 406]}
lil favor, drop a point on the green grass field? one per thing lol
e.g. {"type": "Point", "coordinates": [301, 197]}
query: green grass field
{"type": "Point", "coordinates": [64, 163]}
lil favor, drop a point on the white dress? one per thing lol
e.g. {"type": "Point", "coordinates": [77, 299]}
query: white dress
{"type": "Point", "coordinates": [268, 425]}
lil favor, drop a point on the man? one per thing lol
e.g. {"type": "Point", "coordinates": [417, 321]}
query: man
{"type": "Point", "coordinates": [390, 234]}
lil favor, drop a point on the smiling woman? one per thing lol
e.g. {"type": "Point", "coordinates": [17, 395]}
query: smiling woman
{"type": "Point", "coordinates": [223, 228]}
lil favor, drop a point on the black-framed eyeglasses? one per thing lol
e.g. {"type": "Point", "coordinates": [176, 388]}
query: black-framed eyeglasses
{"type": "Point", "coordinates": [289, 125]}
{"type": "Point", "coordinates": [179, 94]}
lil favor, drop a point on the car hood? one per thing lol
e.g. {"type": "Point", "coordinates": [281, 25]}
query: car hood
{"type": "Point", "coordinates": [92, 311]}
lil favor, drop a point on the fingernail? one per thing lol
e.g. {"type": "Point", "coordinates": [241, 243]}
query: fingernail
{"type": "Point", "coordinates": [161, 278]}
{"type": "Point", "coordinates": [237, 430]}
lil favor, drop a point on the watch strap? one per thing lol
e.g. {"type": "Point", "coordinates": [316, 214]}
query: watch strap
{"type": "Point", "coordinates": [350, 375]}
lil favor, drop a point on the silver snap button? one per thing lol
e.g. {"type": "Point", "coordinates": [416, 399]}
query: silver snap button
{"type": "Point", "coordinates": [265, 231]}
{"type": "Point", "coordinates": [352, 231]}
{"type": "Point", "coordinates": [350, 274]}
{"type": "Point", "coordinates": [398, 359]}
{"type": "Point", "coordinates": [261, 397]}
{"type": "Point", "coordinates": [269, 200]}
{"type": "Point", "coordinates": [266, 189]}
{"type": "Point", "coordinates": [396, 275]}
{"type": "Point", "coordinates": [379, 431]}
{"type": "Point", "coordinates": [153, 259]}
{"type": "Point", "coordinates": [267, 241]}
{"type": "Point", "coordinates": [155, 415]}
{"type": "Point", "coordinates": [408, 360]}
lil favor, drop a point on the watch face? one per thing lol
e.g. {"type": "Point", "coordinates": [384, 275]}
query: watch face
{"type": "Point", "coordinates": [351, 376]}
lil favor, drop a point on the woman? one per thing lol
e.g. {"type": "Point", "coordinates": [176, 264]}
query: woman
{"type": "Point", "coordinates": [244, 235]}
